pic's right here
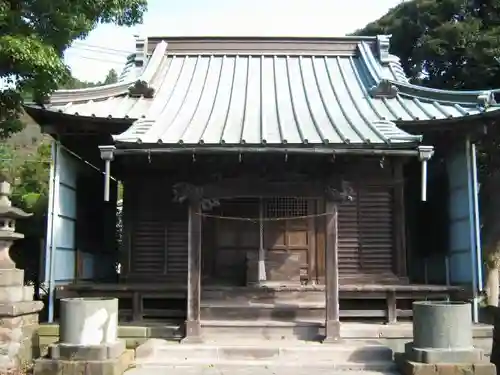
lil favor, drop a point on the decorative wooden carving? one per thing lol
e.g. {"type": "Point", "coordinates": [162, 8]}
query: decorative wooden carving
{"type": "Point", "coordinates": [141, 88]}
{"type": "Point", "coordinates": [384, 89]}
{"type": "Point", "coordinates": [184, 191]}
{"type": "Point", "coordinates": [340, 194]}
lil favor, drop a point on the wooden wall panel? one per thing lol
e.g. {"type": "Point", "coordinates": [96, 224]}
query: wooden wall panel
{"type": "Point", "coordinates": [156, 229]}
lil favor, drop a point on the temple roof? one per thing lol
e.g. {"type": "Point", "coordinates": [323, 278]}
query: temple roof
{"type": "Point", "coordinates": [196, 91]}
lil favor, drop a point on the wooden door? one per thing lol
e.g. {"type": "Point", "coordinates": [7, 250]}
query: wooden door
{"type": "Point", "coordinates": [288, 235]}
{"type": "Point", "coordinates": [290, 238]}
{"type": "Point", "coordinates": [228, 238]}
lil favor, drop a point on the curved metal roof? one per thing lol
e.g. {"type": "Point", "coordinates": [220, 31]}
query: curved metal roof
{"type": "Point", "coordinates": [301, 97]}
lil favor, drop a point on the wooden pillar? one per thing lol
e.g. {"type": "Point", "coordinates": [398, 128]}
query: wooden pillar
{"type": "Point", "coordinates": [193, 327]}
{"type": "Point", "coordinates": [332, 323]}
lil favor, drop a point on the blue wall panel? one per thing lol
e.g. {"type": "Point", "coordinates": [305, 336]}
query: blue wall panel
{"type": "Point", "coordinates": [60, 254]}
{"type": "Point", "coordinates": [65, 220]}
{"type": "Point", "coordinates": [461, 229]}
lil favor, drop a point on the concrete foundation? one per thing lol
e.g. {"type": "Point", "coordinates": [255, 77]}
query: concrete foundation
{"type": "Point", "coordinates": [89, 342]}
{"type": "Point", "coordinates": [116, 366]}
{"type": "Point", "coordinates": [415, 368]}
{"type": "Point", "coordinates": [430, 355]}
{"type": "Point", "coordinates": [442, 333]}
{"type": "Point", "coordinates": [89, 321]}
{"type": "Point", "coordinates": [395, 336]}
{"type": "Point", "coordinates": [87, 352]}
{"type": "Point", "coordinates": [442, 325]}
{"type": "Point", "coordinates": [443, 342]}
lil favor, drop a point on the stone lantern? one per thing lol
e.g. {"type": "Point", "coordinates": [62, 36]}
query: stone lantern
{"type": "Point", "coordinates": [8, 234]}
{"type": "Point", "coordinates": [18, 311]}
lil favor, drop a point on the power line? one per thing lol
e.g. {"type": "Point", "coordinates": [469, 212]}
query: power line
{"type": "Point", "coordinates": [93, 46]}
{"type": "Point", "coordinates": [100, 59]}
{"type": "Point", "coordinates": [109, 52]}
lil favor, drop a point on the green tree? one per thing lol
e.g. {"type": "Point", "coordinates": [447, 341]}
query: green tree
{"type": "Point", "coordinates": [446, 44]}
{"type": "Point", "coordinates": [75, 83]}
{"type": "Point", "coordinates": [7, 169]}
{"type": "Point", "coordinates": [33, 37]}
{"type": "Point", "coordinates": [112, 77]}
{"type": "Point", "coordinates": [455, 44]}
{"type": "Point", "coordinates": [32, 178]}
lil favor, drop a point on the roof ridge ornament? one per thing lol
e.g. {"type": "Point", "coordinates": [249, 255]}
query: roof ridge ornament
{"type": "Point", "coordinates": [383, 46]}
{"type": "Point", "coordinates": [141, 89]}
{"type": "Point", "coordinates": [384, 89]}
{"type": "Point", "coordinates": [486, 99]}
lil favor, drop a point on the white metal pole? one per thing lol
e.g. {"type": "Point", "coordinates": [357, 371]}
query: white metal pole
{"type": "Point", "coordinates": [424, 181]}
{"type": "Point", "coordinates": [107, 174]}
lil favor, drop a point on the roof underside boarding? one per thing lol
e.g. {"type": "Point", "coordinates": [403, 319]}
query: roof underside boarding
{"type": "Point", "coordinates": [347, 99]}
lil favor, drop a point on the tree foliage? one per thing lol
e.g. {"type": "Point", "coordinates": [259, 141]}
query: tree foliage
{"type": "Point", "coordinates": [28, 175]}
{"type": "Point", "coordinates": [75, 83]}
{"type": "Point", "coordinates": [112, 77]}
{"type": "Point", "coordinates": [33, 37]}
{"type": "Point", "coordinates": [451, 44]}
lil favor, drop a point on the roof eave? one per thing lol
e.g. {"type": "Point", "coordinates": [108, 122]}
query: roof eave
{"type": "Point", "coordinates": [471, 121]}
{"type": "Point", "coordinates": [113, 89]}
{"type": "Point", "coordinates": [47, 118]}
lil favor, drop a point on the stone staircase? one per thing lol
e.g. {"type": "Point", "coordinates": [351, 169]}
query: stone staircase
{"type": "Point", "coordinates": [366, 356]}
{"type": "Point", "coordinates": [263, 313]}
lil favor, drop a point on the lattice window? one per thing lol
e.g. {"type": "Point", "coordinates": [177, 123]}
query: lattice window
{"type": "Point", "coordinates": [285, 207]}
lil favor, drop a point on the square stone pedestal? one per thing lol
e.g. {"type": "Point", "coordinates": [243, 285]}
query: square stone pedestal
{"type": "Point", "coordinates": [407, 366]}
{"type": "Point", "coordinates": [18, 320]}
{"type": "Point", "coordinates": [66, 359]}
{"type": "Point", "coordinates": [436, 356]}
{"type": "Point", "coordinates": [415, 368]}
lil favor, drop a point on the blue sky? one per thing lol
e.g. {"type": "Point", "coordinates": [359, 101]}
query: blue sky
{"type": "Point", "coordinates": [107, 46]}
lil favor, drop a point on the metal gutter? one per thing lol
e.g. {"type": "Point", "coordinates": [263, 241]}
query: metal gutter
{"type": "Point", "coordinates": [268, 150]}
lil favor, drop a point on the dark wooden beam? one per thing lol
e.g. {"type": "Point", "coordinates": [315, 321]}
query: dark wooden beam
{"type": "Point", "coordinates": [332, 323]}
{"type": "Point", "coordinates": [193, 326]}
{"type": "Point", "coordinates": [262, 188]}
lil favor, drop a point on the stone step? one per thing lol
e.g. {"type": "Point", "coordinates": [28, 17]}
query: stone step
{"type": "Point", "coordinates": [264, 295]}
{"type": "Point", "coordinates": [246, 370]}
{"type": "Point", "coordinates": [263, 329]}
{"type": "Point", "coordinates": [345, 356]}
{"type": "Point", "coordinates": [383, 366]}
{"type": "Point", "coordinates": [285, 311]}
